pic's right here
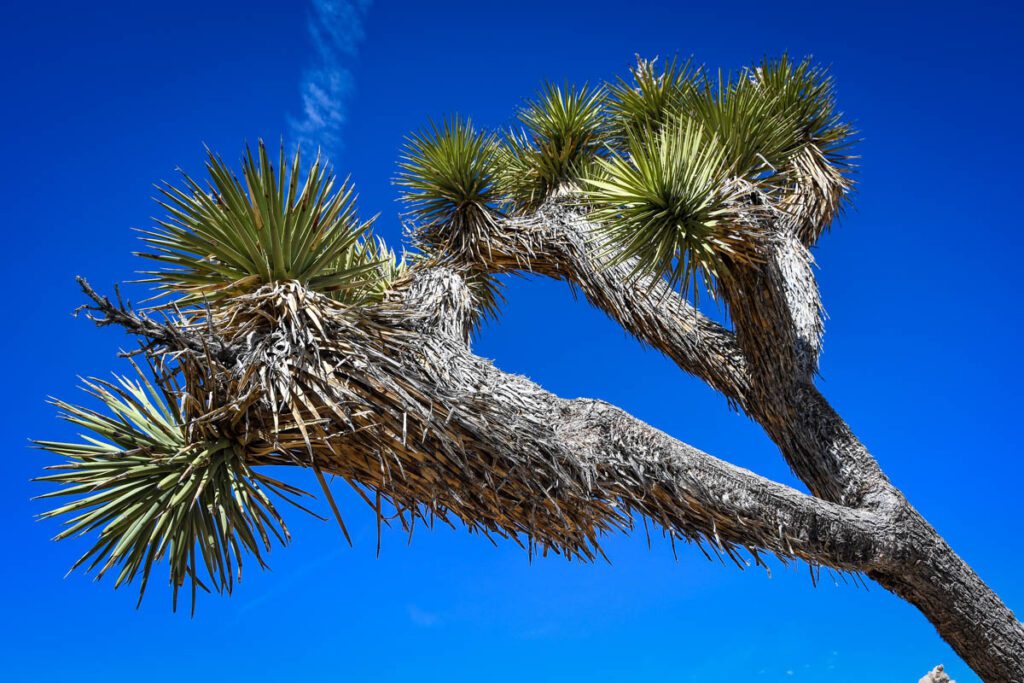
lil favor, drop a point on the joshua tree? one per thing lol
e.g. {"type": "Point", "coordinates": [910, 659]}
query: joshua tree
{"type": "Point", "coordinates": [289, 335]}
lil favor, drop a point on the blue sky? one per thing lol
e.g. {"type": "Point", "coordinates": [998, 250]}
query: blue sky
{"type": "Point", "coordinates": [101, 100]}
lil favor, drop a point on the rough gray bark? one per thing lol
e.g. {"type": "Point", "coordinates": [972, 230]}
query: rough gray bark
{"type": "Point", "coordinates": [594, 463]}
{"type": "Point", "coordinates": [508, 458]}
{"type": "Point", "coordinates": [766, 367]}
{"type": "Point", "coordinates": [620, 459]}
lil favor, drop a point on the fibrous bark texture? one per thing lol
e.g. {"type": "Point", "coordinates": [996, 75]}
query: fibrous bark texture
{"type": "Point", "coordinates": [396, 403]}
{"type": "Point", "coordinates": [766, 366]}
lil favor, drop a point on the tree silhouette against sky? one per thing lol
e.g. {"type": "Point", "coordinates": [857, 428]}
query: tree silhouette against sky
{"type": "Point", "coordinates": [286, 333]}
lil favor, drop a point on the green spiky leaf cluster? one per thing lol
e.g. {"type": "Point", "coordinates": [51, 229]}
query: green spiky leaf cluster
{"type": "Point", "coordinates": [665, 205]}
{"type": "Point", "coordinates": [757, 138]}
{"type": "Point", "coordinates": [387, 268]}
{"type": "Point", "coordinates": [669, 199]}
{"type": "Point", "coordinates": [269, 226]}
{"type": "Point", "coordinates": [154, 491]}
{"type": "Point", "coordinates": [566, 128]}
{"type": "Point", "coordinates": [805, 93]}
{"type": "Point", "coordinates": [446, 175]}
{"type": "Point", "coordinates": [769, 114]}
{"type": "Point", "coordinates": [773, 126]}
{"type": "Point", "coordinates": [652, 97]}
{"type": "Point", "coordinates": [815, 179]}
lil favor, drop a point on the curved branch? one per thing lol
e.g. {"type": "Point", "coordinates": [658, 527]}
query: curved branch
{"type": "Point", "coordinates": [696, 495]}
{"type": "Point", "coordinates": [817, 443]}
{"type": "Point", "coordinates": [507, 457]}
{"type": "Point", "coordinates": [733, 505]}
{"type": "Point", "coordinates": [556, 241]}
{"type": "Point", "coordinates": [411, 413]}
{"type": "Point", "coordinates": [616, 459]}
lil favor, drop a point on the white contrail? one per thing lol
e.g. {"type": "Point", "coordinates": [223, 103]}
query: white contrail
{"type": "Point", "coordinates": [335, 29]}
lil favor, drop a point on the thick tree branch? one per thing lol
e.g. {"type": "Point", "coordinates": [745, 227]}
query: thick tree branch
{"type": "Point", "coordinates": [911, 559]}
{"type": "Point", "coordinates": [815, 440]}
{"type": "Point", "coordinates": [964, 610]}
{"type": "Point", "coordinates": [596, 463]}
{"type": "Point", "coordinates": [508, 458]}
{"type": "Point", "coordinates": [557, 241]}
{"type": "Point", "coordinates": [737, 506]}
{"type": "Point", "coordinates": [437, 429]}
{"type": "Point", "coordinates": [776, 310]}
{"type": "Point", "coordinates": [620, 460]}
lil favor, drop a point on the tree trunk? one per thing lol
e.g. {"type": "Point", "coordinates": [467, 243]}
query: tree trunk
{"type": "Point", "coordinates": [439, 431]}
{"type": "Point", "coordinates": [766, 369]}
{"type": "Point", "coordinates": [965, 611]}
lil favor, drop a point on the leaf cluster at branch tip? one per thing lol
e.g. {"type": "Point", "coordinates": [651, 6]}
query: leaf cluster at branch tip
{"type": "Point", "coordinates": [660, 157]}
{"type": "Point", "coordinates": [235, 235]}
{"type": "Point", "coordinates": [446, 175]}
{"type": "Point", "coordinates": [565, 129]}
{"type": "Point", "coordinates": [154, 488]}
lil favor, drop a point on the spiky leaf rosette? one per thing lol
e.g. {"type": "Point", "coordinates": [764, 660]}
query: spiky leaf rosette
{"type": "Point", "coordinates": [652, 98]}
{"type": "Point", "coordinates": [816, 179]}
{"type": "Point", "coordinates": [446, 176]}
{"type": "Point", "coordinates": [155, 488]}
{"type": "Point", "coordinates": [388, 268]}
{"type": "Point", "coordinates": [565, 130]}
{"type": "Point", "coordinates": [780, 127]}
{"type": "Point", "coordinates": [670, 207]}
{"type": "Point", "coordinates": [236, 235]}
{"type": "Point", "coordinates": [757, 137]}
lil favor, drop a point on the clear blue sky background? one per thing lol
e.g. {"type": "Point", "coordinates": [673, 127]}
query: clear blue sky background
{"type": "Point", "coordinates": [921, 281]}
